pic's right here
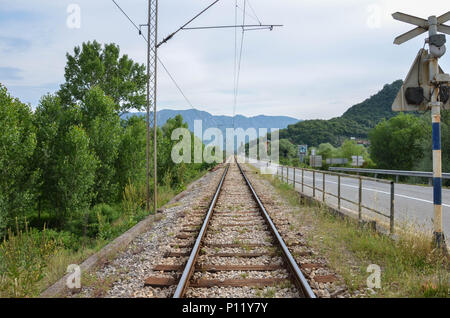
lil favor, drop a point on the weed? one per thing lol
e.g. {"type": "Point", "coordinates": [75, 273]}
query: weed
{"type": "Point", "coordinates": [269, 292]}
{"type": "Point", "coordinates": [409, 265]}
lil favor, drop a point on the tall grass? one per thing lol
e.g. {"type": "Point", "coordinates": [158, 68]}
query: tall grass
{"type": "Point", "coordinates": [411, 267]}
{"type": "Point", "coordinates": [31, 260]}
{"type": "Point", "coordinates": [23, 257]}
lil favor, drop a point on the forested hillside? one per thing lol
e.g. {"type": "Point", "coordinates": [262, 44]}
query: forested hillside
{"type": "Point", "coordinates": [357, 121]}
{"type": "Point", "coordinates": [222, 122]}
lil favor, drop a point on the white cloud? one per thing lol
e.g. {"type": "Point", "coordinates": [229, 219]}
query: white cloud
{"type": "Point", "coordinates": [328, 56]}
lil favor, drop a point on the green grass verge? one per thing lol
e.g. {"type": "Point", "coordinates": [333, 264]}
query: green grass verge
{"type": "Point", "coordinates": [31, 260]}
{"type": "Point", "coordinates": [410, 267]}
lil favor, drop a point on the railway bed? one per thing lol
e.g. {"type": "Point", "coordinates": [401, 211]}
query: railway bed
{"type": "Point", "coordinates": [230, 247]}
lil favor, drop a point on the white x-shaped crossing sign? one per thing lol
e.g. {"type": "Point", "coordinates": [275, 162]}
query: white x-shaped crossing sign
{"type": "Point", "coordinates": [422, 25]}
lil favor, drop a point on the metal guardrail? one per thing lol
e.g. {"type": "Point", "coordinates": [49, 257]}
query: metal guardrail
{"type": "Point", "coordinates": [397, 173]}
{"type": "Point", "coordinates": [285, 177]}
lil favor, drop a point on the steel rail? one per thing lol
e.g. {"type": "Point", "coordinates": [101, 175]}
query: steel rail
{"type": "Point", "coordinates": [190, 265]}
{"type": "Point", "coordinates": [297, 274]}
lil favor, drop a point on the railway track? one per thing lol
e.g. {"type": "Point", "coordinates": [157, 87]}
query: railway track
{"type": "Point", "coordinates": [232, 247]}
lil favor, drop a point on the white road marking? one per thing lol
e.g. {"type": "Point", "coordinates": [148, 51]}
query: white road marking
{"type": "Point", "coordinates": [384, 192]}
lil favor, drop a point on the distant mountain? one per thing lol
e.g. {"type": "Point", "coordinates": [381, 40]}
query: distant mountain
{"type": "Point", "coordinates": [357, 121]}
{"type": "Point", "coordinates": [221, 122]}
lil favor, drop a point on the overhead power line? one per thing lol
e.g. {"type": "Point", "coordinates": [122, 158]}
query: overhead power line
{"type": "Point", "coordinates": [129, 19]}
{"type": "Point", "coordinates": [187, 23]}
{"type": "Point", "coordinates": [236, 90]}
{"type": "Point", "coordinates": [175, 82]}
{"type": "Point", "coordinates": [251, 8]}
{"type": "Point", "coordinates": [233, 26]}
{"type": "Point", "coordinates": [159, 60]}
{"type": "Point", "coordinates": [172, 78]}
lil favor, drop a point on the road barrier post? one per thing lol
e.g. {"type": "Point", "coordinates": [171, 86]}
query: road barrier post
{"type": "Point", "coordinates": [339, 192]}
{"type": "Point", "coordinates": [294, 178]}
{"type": "Point", "coordinates": [323, 187]}
{"type": "Point", "coordinates": [287, 175]}
{"type": "Point", "coordinates": [314, 183]}
{"type": "Point", "coordinates": [360, 199]}
{"type": "Point", "coordinates": [303, 173]}
{"type": "Point", "coordinates": [392, 209]}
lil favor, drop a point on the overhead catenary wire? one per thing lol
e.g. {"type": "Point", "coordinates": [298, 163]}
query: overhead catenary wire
{"type": "Point", "coordinates": [235, 57]}
{"type": "Point", "coordinates": [129, 19]}
{"type": "Point", "coordinates": [249, 15]}
{"type": "Point", "coordinates": [262, 26]}
{"type": "Point", "coordinates": [236, 91]}
{"type": "Point", "coordinates": [172, 78]}
{"type": "Point", "coordinates": [159, 60]}
{"type": "Point", "coordinates": [187, 23]}
{"type": "Point", "coordinates": [252, 14]}
{"type": "Point", "coordinates": [237, 61]}
{"type": "Point", "coordinates": [253, 10]}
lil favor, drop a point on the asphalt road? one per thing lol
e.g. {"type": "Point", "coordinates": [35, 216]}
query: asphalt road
{"type": "Point", "coordinates": [413, 204]}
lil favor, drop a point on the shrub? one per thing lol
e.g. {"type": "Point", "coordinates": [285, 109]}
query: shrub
{"type": "Point", "coordinates": [23, 258]}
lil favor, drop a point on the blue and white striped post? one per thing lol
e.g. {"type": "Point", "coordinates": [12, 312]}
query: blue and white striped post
{"type": "Point", "coordinates": [436, 50]}
{"type": "Point", "coordinates": [439, 238]}
{"type": "Point", "coordinates": [437, 174]}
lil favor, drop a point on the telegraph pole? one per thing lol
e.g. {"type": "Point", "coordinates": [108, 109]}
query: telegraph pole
{"type": "Point", "coordinates": [152, 58]}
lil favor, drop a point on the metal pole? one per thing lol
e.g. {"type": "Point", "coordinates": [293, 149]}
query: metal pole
{"type": "Point", "coordinates": [439, 238]}
{"type": "Point", "coordinates": [303, 174]}
{"type": "Point", "coordinates": [152, 56]}
{"type": "Point", "coordinates": [323, 187]}
{"type": "Point", "coordinates": [314, 184]}
{"type": "Point", "coordinates": [148, 112]}
{"type": "Point", "coordinates": [287, 175]}
{"type": "Point", "coordinates": [282, 172]}
{"type": "Point", "coordinates": [392, 208]}
{"type": "Point", "coordinates": [437, 175]}
{"type": "Point", "coordinates": [294, 178]}
{"type": "Point", "coordinates": [155, 126]}
{"type": "Point", "coordinates": [360, 200]}
{"type": "Point", "coordinates": [339, 192]}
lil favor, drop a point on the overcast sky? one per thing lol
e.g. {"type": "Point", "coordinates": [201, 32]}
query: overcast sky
{"type": "Point", "coordinates": [329, 55]}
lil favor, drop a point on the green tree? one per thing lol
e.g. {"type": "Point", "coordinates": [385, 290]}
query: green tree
{"type": "Point", "coordinates": [350, 148]}
{"type": "Point", "coordinates": [131, 160]}
{"type": "Point", "coordinates": [287, 149]}
{"type": "Point", "coordinates": [118, 76]}
{"type": "Point", "coordinates": [67, 166]}
{"type": "Point", "coordinates": [357, 121]}
{"type": "Point", "coordinates": [102, 125]}
{"type": "Point", "coordinates": [326, 150]}
{"type": "Point", "coordinates": [76, 166]}
{"type": "Point", "coordinates": [17, 144]}
{"type": "Point", "coordinates": [426, 164]}
{"type": "Point", "coordinates": [52, 121]}
{"type": "Point", "coordinates": [166, 166]}
{"type": "Point", "coordinates": [397, 143]}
